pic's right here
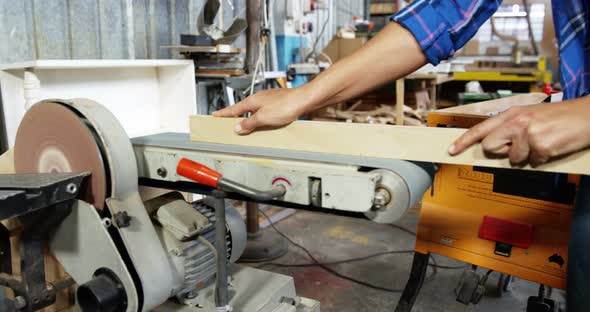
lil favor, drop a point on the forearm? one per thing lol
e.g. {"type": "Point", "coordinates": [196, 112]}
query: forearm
{"type": "Point", "coordinates": [392, 54]}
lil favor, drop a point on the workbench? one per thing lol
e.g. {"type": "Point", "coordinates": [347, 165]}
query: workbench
{"type": "Point", "coordinates": [535, 74]}
{"type": "Point", "coordinates": [434, 80]}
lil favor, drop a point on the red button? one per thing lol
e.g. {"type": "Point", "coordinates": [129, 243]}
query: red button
{"type": "Point", "coordinates": [505, 231]}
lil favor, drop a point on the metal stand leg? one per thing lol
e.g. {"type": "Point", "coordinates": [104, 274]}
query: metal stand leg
{"type": "Point", "coordinates": [417, 275]}
{"type": "Point", "coordinates": [221, 288]}
{"type": "Point", "coordinates": [252, 225]}
{"type": "Point", "coordinates": [262, 245]}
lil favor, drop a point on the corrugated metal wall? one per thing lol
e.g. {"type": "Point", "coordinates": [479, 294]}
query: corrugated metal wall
{"type": "Point", "coordinates": [344, 10]}
{"type": "Point", "coordinates": [120, 29]}
{"type": "Point", "coordinates": [97, 29]}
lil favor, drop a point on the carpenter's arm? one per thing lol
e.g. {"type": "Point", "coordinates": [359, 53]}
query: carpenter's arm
{"type": "Point", "coordinates": [392, 54]}
{"type": "Point", "coordinates": [425, 31]}
{"type": "Point", "coordinates": [532, 134]}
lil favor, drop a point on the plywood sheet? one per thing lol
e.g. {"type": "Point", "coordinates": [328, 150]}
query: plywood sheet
{"type": "Point", "coordinates": [7, 162]}
{"type": "Point", "coordinates": [366, 140]}
{"type": "Point", "coordinates": [493, 107]}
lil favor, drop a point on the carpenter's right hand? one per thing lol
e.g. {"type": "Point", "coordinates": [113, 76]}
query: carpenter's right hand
{"type": "Point", "coordinates": [269, 108]}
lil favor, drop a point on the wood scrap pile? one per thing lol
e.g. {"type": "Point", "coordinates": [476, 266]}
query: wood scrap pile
{"type": "Point", "coordinates": [381, 114]}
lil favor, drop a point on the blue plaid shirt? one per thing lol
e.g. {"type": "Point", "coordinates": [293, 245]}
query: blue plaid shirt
{"type": "Point", "coordinates": [443, 26]}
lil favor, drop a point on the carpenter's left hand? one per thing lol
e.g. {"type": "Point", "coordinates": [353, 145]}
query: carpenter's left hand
{"type": "Point", "coordinates": [534, 133]}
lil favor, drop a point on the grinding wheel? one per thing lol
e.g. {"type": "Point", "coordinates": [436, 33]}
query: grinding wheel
{"type": "Point", "coordinates": [53, 138]}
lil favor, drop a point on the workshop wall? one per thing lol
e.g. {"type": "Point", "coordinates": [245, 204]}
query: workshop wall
{"type": "Point", "coordinates": [547, 44]}
{"type": "Point", "coordinates": [122, 29]}
{"type": "Point", "coordinates": [99, 29]}
{"type": "Point", "coordinates": [341, 13]}
{"type": "Point", "coordinates": [329, 13]}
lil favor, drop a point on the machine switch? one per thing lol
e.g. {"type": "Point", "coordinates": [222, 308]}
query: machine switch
{"type": "Point", "coordinates": [503, 249]}
{"type": "Point", "coordinates": [505, 231]}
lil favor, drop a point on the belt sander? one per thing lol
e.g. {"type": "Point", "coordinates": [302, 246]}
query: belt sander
{"type": "Point", "coordinates": [127, 249]}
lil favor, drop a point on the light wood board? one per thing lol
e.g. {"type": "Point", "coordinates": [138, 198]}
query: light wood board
{"type": "Point", "coordinates": [383, 8]}
{"type": "Point", "coordinates": [205, 49]}
{"type": "Point", "coordinates": [436, 78]}
{"type": "Point", "coordinates": [367, 140]}
{"type": "Point", "coordinates": [7, 162]}
{"type": "Point", "coordinates": [492, 107]}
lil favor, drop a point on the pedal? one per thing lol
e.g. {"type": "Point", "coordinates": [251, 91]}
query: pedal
{"type": "Point", "coordinates": [478, 294]}
{"type": "Point", "coordinates": [540, 303]}
{"type": "Point", "coordinates": [471, 287]}
{"type": "Point", "coordinates": [536, 304]}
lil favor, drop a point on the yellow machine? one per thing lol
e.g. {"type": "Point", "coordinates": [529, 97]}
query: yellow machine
{"type": "Point", "coordinates": [465, 199]}
{"type": "Point", "coordinates": [533, 71]}
{"type": "Point", "coordinates": [512, 221]}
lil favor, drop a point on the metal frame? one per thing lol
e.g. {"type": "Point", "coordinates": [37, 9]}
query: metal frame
{"type": "Point", "coordinates": [415, 282]}
{"type": "Point", "coordinates": [91, 250]}
{"type": "Point", "coordinates": [146, 253]}
{"type": "Point", "coordinates": [156, 156]}
{"type": "Point", "coordinates": [41, 202]}
{"type": "Point", "coordinates": [259, 167]}
{"type": "Point", "coordinates": [268, 295]}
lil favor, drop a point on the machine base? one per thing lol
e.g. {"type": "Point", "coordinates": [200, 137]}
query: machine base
{"type": "Point", "coordinates": [251, 290]}
{"type": "Point", "coordinates": [264, 245]}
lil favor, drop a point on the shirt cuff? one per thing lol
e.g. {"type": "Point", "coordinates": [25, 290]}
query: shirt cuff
{"type": "Point", "coordinates": [422, 20]}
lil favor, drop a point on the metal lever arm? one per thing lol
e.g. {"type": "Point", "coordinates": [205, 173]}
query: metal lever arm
{"type": "Point", "coordinates": [207, 176]}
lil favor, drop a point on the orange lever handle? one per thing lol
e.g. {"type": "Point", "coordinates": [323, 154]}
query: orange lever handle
{"type": "Point", "coordinates": [198, 172]}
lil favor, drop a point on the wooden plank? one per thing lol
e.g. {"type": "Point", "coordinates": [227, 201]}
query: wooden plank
{"type": "Point", "coordinates": [7, 162]}
{"type": "Point", "coordinates": [219, 73]}
{"type": "Point", "coordinates": [504, 70]}
{"type": "Point", "coordinates": [383, 8]}
{"type": "Point", "coordinates": [436, 78]}
{"type": "Point", "coordinates": [493, 107]}
{"type": "Point", "coordinates": [433, 95]}
{"type": "Point", "coordinates": [367, 140]}
{"type": "Point", "coordinates": [399, 103]}
{"type": "Point", "coordinates": [222, 49]}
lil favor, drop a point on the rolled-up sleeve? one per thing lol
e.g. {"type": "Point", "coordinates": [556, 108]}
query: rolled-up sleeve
{"type": "Point", "coordinates": [443, 26]}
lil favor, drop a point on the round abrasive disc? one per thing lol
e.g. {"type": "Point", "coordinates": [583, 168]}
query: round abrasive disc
{"type": "Point", "coordinates": [52, 138]}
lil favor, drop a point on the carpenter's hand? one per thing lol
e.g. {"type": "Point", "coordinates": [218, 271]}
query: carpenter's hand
{"type": "Point", "coordinates": [270, 108]}
{"type": "Point", "coordinates": [533, 134]}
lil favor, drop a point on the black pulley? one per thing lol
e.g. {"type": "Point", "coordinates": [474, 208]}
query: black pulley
{"type": "Point", "coordinates": [104, 293]}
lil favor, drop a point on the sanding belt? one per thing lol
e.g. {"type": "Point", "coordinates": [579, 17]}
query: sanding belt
{"type": "Point", "coordinates": [53, 138]}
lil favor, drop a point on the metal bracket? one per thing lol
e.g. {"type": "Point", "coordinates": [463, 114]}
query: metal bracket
{"type": "Point", "coordinates": [41, 202]}
{"type": "Point", "coordinates": [155, 277]}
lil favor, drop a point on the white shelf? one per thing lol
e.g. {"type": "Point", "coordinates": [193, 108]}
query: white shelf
{"type": "Point", "coordinates": [79, 64]}
{"type": "Point", "coordinates": [146, 96]}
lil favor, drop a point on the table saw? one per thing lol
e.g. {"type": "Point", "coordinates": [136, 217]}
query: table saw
{"type": "Point", "coordinates": [119, 247]}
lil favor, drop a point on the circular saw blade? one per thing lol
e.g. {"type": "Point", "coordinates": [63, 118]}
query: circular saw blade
{"type": "Point", "coordinates": [52, 138]}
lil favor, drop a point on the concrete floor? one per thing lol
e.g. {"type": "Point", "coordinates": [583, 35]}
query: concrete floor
{"type": "Point", "coordinates": [332, 238]}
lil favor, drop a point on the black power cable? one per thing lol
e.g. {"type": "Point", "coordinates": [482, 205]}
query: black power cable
{"type": "Point", "coordinates": [317, 39]}
{"type": "Point", "coordinates": [324, 265]}
{"type": "Point", "coordinates": [350, 260]}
